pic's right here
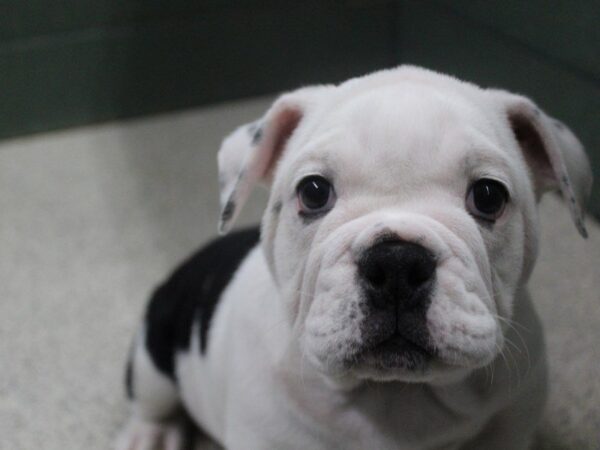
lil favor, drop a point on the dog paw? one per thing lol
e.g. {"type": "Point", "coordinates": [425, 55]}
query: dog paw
{"type": "Point", "coordinates": [143, 435]}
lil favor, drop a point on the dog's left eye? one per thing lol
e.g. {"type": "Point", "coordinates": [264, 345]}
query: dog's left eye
{"type": "Point", "coordinates": [486, 199]}
{"type": "Point", "coordinates": [315, 195]}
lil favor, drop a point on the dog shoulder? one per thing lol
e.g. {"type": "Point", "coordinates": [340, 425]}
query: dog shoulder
{"type": "Point", "coordinates": [191, 294]}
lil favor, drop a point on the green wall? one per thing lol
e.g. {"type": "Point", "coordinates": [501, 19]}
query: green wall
{"type": "Point", "coordinates": [74, 62]}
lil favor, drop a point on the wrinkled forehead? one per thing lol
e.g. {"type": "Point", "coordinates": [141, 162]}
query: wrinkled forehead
{"type": "Point", "coordinates": [398, 129]}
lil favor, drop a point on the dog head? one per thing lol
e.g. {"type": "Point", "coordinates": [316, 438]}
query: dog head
{"type": "Point", "coordinates": [402, 216]}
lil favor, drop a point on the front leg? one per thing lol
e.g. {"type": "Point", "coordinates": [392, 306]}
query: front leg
{"type": "Point", "coordinates": [154, 401]}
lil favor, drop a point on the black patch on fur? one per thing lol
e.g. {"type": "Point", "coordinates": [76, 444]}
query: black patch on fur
{"type": "Point", "coordinates": [129, 376]}
{"type": "Point", "coordinates": [192, 293]}
{"type": "Point", "coordinates": [228, 210]}
{"type": "Point", "coordinates": [252, 128]}
{"type": "Point", "coordinates": [277, 207]}
{"type": "Point", "coordinates": [256, 137]}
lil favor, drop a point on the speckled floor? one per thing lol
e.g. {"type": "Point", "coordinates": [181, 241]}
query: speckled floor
{"type": "Point", "coordinates": [91, 219]}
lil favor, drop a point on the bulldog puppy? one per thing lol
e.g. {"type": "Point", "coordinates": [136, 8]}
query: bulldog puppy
{"type": "Point", "coordinates": [382, 305]}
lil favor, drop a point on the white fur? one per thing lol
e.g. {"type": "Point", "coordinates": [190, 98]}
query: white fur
{"type": "Point", "coordinates": [151, 424]}
{"type": "Point", "coordinates": [401, 147]}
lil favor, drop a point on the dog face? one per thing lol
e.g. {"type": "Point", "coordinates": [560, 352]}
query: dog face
{"type": "Point", "coordinates": [402, 216]}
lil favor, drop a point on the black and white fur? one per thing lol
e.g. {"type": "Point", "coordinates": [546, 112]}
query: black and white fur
{"type": "Point", "coordinates": [277, 345]}
{"type": "Point", "coordinates": [182, 304]}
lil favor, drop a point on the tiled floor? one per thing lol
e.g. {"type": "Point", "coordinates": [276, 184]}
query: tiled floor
{"type": "Point", "coordinates": [91, 219]}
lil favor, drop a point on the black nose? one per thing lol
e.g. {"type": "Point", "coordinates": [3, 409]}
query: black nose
{"type": "Point", "coordinates": [397, 273]}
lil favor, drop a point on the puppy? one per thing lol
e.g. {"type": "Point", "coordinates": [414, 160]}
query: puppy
{"type": "Point", "coordinates": [382, 305]}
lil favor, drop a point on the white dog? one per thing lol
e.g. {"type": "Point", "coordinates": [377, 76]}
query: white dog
{"type": "Point", "coordinates": [385, 306]}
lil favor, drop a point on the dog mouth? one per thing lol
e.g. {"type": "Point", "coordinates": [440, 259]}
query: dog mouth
{"type": "Point", "coordinates": [396, 351]}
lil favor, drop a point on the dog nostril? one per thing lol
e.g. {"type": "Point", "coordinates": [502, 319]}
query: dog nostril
{"type": "Point", "coordinates": [420, 272]}
{"type": "Point", "coordinates": [375, 275]}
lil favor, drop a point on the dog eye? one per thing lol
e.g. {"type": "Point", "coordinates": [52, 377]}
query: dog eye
{"type": "Point", "coordinates": [315, 195]}
{"type": "Point", "coordinates": [486, 199]}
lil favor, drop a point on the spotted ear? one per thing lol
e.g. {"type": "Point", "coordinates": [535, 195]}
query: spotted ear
{"type": "Point", "coordinates": [554, 155]}
{"type": "Point", "coordinates": [249, 154]}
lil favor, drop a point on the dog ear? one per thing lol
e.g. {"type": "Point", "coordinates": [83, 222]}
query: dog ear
{"type": "Point", "coordinates": [249, 154]}
{"type": "Point", "coordinates": [554, 155]}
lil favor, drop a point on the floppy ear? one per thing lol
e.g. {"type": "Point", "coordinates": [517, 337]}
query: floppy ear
{"type": "Point", "coordinates": [249, 154]}
{"type": "Point", "coordinates": [555, 156]}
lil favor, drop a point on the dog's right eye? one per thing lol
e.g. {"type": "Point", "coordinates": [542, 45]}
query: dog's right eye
{"type": "Point", "coordinates": [486, 199]}
{"type": "Point", "coordinates": [315, 195]}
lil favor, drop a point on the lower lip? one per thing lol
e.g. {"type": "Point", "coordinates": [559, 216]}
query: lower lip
{"type": "Point", "coordinates": [400, 343]}
{"type": "Point", "coordinates": [396, 352]}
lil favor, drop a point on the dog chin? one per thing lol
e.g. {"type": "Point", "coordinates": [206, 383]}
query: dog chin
{"type": "Point", "coordinates": [384, 366]}
{"type": "Point", "coordinates": [433, 372]}
{"type": "Point", "coordinates": [394, 358]}
{"type": "Point", "coordinates": [399, 360]}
